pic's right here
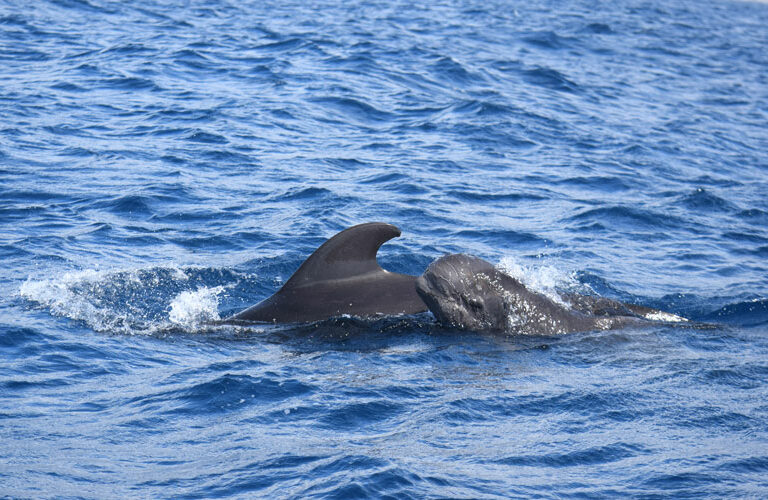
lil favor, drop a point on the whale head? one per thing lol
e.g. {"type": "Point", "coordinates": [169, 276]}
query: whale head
{"type": "Point", "coordinates": [464, 292]}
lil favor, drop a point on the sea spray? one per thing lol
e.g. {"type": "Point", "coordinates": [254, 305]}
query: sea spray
{"type": "Point", "coordinates": [192, 308]}
{"type": "Point", "coordinates": [545, 279]}
{"type": "Point", "coordinates": [134, 301]}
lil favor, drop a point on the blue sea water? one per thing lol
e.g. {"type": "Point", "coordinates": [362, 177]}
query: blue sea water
{"type": "Point", "coordinates": [165, 164]}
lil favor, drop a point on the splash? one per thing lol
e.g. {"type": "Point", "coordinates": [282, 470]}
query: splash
{"type": "Point", "coordinates": [67, 296]}
{"type": "Point", "coordinates": [194, 308]}
{"type": "Point", "coordinates": [138, 301]}
{"type": "Point", "coordinates": [664, 316]}
{"type": "Point", "coordinates": [546, 280]}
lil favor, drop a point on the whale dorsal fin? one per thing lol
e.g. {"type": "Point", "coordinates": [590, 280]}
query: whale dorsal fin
{"type": "Point", "coordinates": [350, 253]}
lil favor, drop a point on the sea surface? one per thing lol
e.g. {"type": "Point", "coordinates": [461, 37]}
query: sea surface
{"type": "Point", "coordinates": [164, 164]}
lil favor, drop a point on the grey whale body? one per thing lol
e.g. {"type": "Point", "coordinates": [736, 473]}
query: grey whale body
{"type": "Point", "coordinates": [342, 277]}
{"type": "Point", "coordinates": [468, 293]}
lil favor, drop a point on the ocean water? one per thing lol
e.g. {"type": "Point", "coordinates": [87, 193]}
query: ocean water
{"type": "Point", "coordinates": [165, 164]}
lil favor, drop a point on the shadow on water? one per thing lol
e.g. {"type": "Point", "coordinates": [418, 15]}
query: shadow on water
{"type": "Point", "coordinates": [360, 334]}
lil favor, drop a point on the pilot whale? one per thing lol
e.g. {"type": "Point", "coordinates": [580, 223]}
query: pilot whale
{"type": "Point", "coordinates": [468, 293]}
{"type": "Point", "coordinates": [341, 277]}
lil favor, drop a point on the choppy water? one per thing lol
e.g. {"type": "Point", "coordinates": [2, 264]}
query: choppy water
{"type": "Point", "coordinates": [163, 164]}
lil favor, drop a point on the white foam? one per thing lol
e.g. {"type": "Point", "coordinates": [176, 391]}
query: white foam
{"type": "Point", "coordinates": [664, 316]}
{"type": "Point", "coordinates": [193, 308]}
{"type": "Point", "coordinates": [135, 301]}
{"type": "Point", "coordinates": [544, 279]}
{"type": "Point", "coordinates": [63, 297]}
{"type": "Point", "coordinates": [547, 280]}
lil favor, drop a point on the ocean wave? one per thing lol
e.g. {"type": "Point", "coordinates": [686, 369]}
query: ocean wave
{"type": "Point", "coordinates": [165, 164]}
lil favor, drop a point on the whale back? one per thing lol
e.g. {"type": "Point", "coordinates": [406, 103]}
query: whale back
{"type": "Point", "coordinates": [341, 277]}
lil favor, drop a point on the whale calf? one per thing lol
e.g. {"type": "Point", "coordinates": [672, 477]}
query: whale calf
{"type": "Point", "coordinates": [468, 293]}
{"type": "Point", "coordinates": [341, 277]}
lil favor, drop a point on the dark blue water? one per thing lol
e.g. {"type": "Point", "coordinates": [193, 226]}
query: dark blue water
{"type": "Point", "coordinates": [163, 164]}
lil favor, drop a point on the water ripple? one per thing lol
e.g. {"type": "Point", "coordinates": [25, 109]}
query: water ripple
{"type": "Point", "coordinates": [165, 164]}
